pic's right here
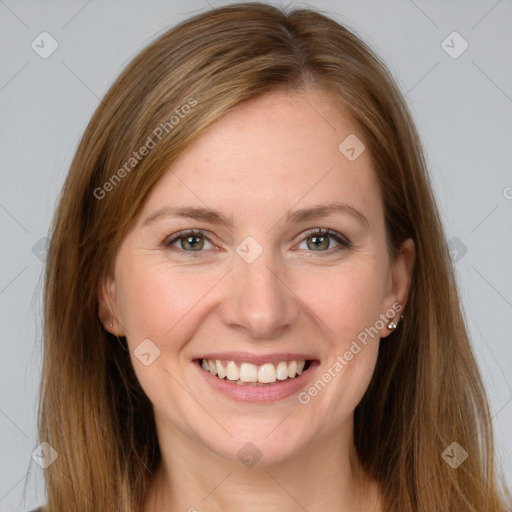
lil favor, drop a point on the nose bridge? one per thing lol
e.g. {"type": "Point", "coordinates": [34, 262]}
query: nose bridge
{"type": "Point", "coordinates": [258, 300]}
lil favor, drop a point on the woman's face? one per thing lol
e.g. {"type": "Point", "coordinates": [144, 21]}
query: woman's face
{"type": "Point", "coordinates": [256, 283]}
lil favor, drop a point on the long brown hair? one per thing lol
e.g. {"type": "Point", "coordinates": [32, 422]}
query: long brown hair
{"type": "Point", "coordinates": [426, 391]}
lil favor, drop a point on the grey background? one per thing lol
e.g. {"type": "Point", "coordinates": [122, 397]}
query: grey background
{"type": "Point", "coordinates": [462, 108]}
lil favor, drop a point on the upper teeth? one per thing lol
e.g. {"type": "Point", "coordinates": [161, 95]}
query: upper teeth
{"type": "Point", "coordinates": [247, 372]}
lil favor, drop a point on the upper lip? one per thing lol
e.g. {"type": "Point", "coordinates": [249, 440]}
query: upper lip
{"type": "Point", "coordinates": [257, 359]}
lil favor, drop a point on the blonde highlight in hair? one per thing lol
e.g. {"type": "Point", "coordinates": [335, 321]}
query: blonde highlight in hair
{"type": "Point", "coordinates": [426, 391]}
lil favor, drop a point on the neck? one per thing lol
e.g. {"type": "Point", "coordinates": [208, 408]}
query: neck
{"type": "Point", "coordinates": [325, 475]}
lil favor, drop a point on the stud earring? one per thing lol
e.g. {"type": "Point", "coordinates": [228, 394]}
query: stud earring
{"type": "Point", "coordinates": [392, 325]}
{"type": "Point", "coordinates": [110, 324]}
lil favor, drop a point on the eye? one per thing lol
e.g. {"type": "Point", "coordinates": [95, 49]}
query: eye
{"type": "Point", "coordinates": [190, 241]}
{"type": "Point", "coordinates": [318, 240]}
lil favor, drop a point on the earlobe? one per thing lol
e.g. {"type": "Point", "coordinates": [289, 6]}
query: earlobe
{"type": "Point", "coordinates": [106, 312]}
{"type": "Point", "coordinates": [401, 274]}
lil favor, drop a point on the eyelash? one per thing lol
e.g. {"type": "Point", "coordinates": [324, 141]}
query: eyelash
{"type": "Point", "coordinates": [344, 242]}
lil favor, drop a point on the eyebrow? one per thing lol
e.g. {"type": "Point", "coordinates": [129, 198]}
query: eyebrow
{"type": "Point", "coordinates": [291, 217]}
{"type": "Point", "coordinates": [324, 210]}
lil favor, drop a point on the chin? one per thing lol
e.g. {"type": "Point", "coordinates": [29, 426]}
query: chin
{"type": "Point", "coordinates": [265, 446]}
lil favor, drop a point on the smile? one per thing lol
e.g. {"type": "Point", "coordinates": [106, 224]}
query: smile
{"type": "Point", "coordinates": [248, 374]}
{"type": "Point", "coordinates": [250, 378]}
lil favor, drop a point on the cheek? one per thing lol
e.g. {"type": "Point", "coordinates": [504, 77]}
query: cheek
{"type": "Point", "coordinates": [348, 300]}
{"type": "Point", "coordinates": [349, 303]}
{"type": "Point", "coordinates": [162, 305]}
{"type": "Point", "coordinates": [153, 300]}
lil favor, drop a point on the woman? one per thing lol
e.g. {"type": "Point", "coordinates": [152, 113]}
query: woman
{"type": "Point", "coordinates": [266, 317]}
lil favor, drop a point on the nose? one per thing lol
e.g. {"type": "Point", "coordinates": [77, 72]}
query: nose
{"type": "Point", "coordinates": [258, 300]}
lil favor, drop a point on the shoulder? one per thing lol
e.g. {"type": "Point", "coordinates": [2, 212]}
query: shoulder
{"type": "Point", "coordinates": [40, 509]}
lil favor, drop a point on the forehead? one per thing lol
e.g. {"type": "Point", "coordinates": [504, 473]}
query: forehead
{"type": "Point", "coordinates": [272, 153]}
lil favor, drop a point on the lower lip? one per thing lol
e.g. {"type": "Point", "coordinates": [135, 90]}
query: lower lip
{"type": "Point", "coordinates": [272, 393]}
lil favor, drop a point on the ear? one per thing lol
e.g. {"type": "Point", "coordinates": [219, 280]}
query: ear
{"type": "Point", "coordinates": [107, 310]}
{"type": "Point", "coordinates": [400, 278]}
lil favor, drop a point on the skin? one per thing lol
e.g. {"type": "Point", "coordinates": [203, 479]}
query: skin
{"type": "Point", "coordinates": [277, 153]}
